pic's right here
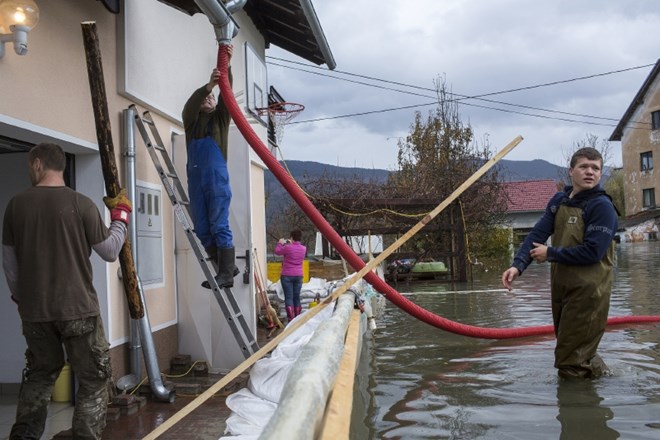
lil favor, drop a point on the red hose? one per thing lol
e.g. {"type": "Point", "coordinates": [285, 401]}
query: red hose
{"type": "Point", "coordinates": [347, 253]}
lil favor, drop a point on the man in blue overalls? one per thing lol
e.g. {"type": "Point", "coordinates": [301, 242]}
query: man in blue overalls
{"type": "Point", "coordinates": [206, 122]}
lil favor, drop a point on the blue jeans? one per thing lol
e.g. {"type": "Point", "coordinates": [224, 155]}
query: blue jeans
{"type": "Point", "coordinates": [210, 193]}
{"type": "Point", "coordinates": [291, 286]}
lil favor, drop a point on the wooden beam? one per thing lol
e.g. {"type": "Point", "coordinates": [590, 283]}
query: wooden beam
{"type": "Point", "coordinates": [107, 153]}
{"type": "Point", "coordinates": [337, 417]}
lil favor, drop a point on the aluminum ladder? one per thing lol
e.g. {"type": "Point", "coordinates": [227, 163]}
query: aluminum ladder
{"type": "Point", "coordinates": [181, 204]}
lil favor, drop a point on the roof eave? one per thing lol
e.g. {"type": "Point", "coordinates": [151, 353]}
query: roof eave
{"type": "Point", "coordinates": [315, 26]}
{"type": "Point", "coordinates": [617, 134]}
{"type": "Point", "coordinates": [317, 51]}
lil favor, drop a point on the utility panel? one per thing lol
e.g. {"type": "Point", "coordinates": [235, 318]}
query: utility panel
{"type": "Point", "coordinates": [149, 234]}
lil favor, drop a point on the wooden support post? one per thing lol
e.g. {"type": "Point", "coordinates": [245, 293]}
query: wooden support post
{"type": "Point", "coordinates": [107, 153]}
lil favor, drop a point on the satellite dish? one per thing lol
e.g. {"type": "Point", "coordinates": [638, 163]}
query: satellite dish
{"type": "Point", "coordinates": [111, 5]}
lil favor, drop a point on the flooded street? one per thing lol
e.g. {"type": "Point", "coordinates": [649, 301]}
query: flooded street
{"type": "Point", "coordinates": [425, 383]}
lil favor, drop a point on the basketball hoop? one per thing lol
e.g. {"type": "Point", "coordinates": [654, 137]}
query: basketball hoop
{"type": "Point", "coordinates": [279, 114]}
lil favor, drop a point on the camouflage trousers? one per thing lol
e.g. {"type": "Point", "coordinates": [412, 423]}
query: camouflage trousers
{"type": "Point", "coordinates": [87, 352]}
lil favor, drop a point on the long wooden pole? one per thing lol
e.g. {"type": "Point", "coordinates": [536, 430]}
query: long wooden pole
{"type": "Point", "coordinates": [342, 289]}
{"type": "Point", "coordinates": [107, 153]}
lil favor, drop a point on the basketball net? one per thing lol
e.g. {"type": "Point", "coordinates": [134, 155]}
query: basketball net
{"type": "Point", "coordinates": [279, 115]}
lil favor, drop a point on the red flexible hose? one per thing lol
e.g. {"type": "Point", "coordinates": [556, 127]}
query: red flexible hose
{"type": "Point", "coordinates": [345, 251]}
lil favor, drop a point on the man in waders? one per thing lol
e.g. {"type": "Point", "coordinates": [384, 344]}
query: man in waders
{"type": "Point", "coordinates": [582, 221]}
{"type": "Point", "coordinates": [206, 122]}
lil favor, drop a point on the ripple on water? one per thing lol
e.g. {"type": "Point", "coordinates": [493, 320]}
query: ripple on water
{"type": "Point", "coordinates": [429, 384]}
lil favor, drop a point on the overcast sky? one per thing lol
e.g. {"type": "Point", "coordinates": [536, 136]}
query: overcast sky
{"type": "Point", "coordinates": [479, 47]}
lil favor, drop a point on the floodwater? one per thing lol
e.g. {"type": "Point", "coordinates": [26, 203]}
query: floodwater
{"type": "Point", "coordinates": [425, 383]}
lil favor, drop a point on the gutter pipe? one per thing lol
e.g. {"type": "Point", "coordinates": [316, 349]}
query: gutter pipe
{"type": "Point", "coordinates": [315, 25]}
{"type": "Point", "coordinates": [140, 328]}
{"type": "Point", "coordinates": [219, 14]}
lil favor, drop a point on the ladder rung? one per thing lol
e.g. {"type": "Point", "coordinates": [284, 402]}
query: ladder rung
{"type": "Point", "coordinates": [159, 148]}
{"type": "Point", "coordinates": [172, 176]}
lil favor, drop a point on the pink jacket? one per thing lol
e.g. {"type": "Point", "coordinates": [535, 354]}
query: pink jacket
{"type": "Point", "coordinates": [294, 253]}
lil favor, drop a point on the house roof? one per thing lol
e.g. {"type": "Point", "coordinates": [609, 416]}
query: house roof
{"type": "Point", "coordinates": [529, 195]}
{"type": "Point", "coordinates": [289, 24]}
{"type": "Point", "coordinates": [617, 134]}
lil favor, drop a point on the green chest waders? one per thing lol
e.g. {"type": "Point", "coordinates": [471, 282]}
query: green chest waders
{"type": "Point", "coordinates": [580, 301]}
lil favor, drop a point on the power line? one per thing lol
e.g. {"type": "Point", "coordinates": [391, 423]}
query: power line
{"type": "Point", "coordinates": [462, 97]}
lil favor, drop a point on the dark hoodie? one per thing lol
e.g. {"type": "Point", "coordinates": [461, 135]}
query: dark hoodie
{"type": "Point", "coordinates": [600, 219]}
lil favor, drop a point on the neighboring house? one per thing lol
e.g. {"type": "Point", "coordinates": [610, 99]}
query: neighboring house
{"type": "Point", "coordinates": [639, 133]}
{"type": "Point", "coordinates": [526, 202]}
{"type": "Point", "coordinates": [154, 56]}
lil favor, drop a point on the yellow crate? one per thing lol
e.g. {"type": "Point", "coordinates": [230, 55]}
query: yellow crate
{"type": "Point", "coordinates": [275, 269]}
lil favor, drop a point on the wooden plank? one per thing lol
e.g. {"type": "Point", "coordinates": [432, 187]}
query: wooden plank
{"type": "Point", "coordinates": [337, 418]}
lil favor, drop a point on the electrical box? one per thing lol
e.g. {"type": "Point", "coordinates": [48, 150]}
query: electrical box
{"type": "Point", "coordinates": [149, 233]}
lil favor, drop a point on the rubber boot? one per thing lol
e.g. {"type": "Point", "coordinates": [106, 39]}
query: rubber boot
{"type": "Point", "coordinates": [297, 310]}
{"type": "Point", "coordinates": [225, 268]}
{"type": "Point", "coordinates": [290, 313]}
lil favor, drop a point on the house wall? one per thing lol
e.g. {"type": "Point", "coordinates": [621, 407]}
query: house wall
{"type": "Point", "coordinates": [523, 220]}
{"type": "Point", "coordinates": [153, 56]}
{"type": "Point", "coordinates": [636, 141]}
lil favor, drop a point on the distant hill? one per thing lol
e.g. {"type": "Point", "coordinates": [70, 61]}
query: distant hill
{"type": "Point", "coordinates": [312, 170]}
{"type": "Point", "coordinates": [537, 169]}
{"type": "Point", "coordinates": [511, 170]}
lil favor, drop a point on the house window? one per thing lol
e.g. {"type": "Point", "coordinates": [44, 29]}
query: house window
{"type": "Point", "coordinates": [646, 161]}
{"type": "Point", "coordinates": [648, 198]}
{"type": "Point", "coordinates": [655, 120]}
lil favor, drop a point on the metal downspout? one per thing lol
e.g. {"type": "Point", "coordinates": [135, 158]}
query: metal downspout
{"type": "Point", "coordinates": [129, 138]}
{"type": "Point", "coordinates": [140, 328]}
{"type": "Point", "coordinates": [219, 15]}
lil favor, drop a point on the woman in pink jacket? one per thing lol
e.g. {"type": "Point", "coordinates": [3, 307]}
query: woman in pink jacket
{"type": "Point", "coordinates": [292, 271]}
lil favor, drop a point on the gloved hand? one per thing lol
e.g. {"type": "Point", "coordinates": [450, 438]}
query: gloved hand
{"type": "Point", "coordinates": [120, 206]}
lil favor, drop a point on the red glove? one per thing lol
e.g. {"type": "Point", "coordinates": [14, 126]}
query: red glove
{"type": "Point", "coordinates": [121, 212]}
{"type": "Point", "coordinates": [120, 206]}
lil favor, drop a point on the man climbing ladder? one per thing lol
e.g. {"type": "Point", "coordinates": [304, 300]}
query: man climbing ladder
{"type": "Point", "coordinates": [206, 122]}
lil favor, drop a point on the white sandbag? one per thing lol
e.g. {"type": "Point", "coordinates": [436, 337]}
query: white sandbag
{"type": "Point", "coordinates": [250, 413]}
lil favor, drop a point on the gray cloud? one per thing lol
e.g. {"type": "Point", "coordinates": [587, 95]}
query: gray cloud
{"type": "Point", "coordinates": [480, 47]}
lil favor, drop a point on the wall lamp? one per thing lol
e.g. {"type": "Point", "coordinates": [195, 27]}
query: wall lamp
{"type": "Point", "coordinates": [17, 18]}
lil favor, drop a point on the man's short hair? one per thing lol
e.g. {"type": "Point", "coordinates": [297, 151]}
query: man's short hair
{"type": "Point", "coordinates": [589, 153]}
{"type": "Point", "coordinates": [52, 156]}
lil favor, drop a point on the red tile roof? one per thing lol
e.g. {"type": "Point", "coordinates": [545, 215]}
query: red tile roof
{"type": "Point", "coordinates": [530, 195]}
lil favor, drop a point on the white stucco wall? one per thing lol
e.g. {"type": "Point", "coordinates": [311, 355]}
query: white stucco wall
{"type": "Point", "coordinates": [45, 97]}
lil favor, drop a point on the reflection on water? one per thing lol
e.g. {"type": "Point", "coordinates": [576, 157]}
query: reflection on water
{"type": "Point", "coordinates": [581, 412]}
{"type": "Point", "coordinates": [424, 383]}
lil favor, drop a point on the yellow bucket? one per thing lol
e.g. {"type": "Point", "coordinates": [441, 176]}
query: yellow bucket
{"type": "Point", "coordinates": [62, 388]}
{"type": "Point", "coordinates": [275, 268]}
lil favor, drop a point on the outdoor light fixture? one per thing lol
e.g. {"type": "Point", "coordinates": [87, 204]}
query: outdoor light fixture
{"type": "Point", "coordinates": [17, 17]}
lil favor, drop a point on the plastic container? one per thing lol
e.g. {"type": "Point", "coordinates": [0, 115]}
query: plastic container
{"type": "Point", "coordinates": [275, 269]}
{"type": "Point", "coordinates": [62, 388]}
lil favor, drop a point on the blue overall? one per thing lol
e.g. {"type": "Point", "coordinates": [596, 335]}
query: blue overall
{"type": "Point", "coordinates": [210, 194]}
